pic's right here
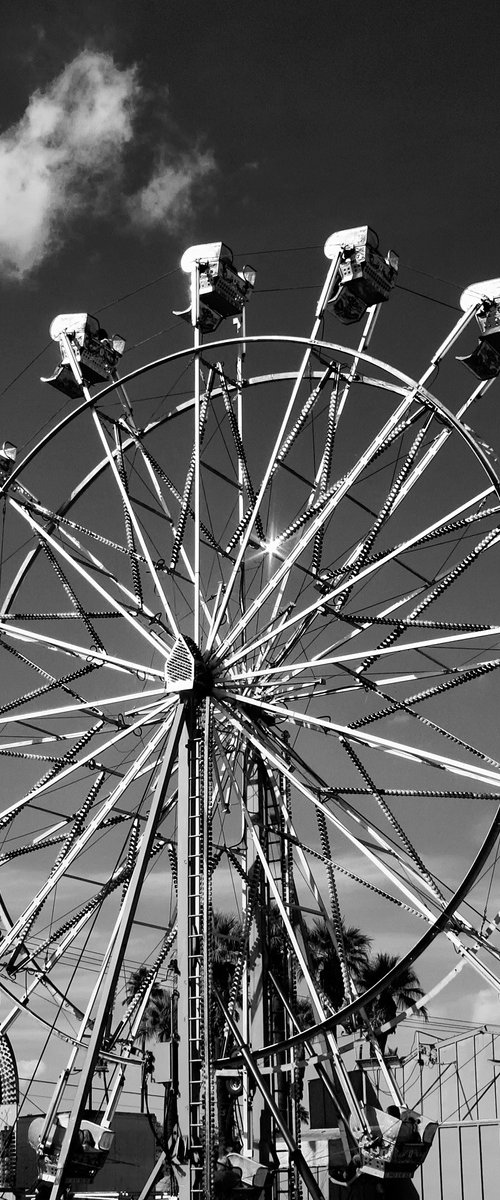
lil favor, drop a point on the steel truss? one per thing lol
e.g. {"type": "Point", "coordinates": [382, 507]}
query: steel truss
{"type": "Point", "coordinates": [252, 656]}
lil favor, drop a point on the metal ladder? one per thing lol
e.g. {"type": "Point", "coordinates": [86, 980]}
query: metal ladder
{"type": "Point", "coordinates": [195, 1108]}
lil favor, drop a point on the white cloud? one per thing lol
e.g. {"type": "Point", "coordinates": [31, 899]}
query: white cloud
{"type": "Point", "coordinates": [29, 1067]}
{"type": "Point", "coordinates": [168, 196]}
{"type": "Point", "coordinates": [62, 154]}
{"type": "Point", "coordinates": [67, 153]}
{"type": "Point", "coordinates": [486, 1008]}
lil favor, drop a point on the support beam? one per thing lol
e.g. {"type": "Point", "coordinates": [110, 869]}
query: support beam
{"type": "Point", "coordinates": [109, 984]}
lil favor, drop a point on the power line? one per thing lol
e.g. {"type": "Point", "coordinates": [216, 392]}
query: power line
{"type": "Point", "coordinates": [274, 250]}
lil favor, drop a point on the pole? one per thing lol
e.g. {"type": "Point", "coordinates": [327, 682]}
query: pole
{"type": "Point", "coordinates": [251, 1064]}
{"type": "Point", "coordinates": [195, 321]}
{"type": "Point", "coordinates": [116, 959]}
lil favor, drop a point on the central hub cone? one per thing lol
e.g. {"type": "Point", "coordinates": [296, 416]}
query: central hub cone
{"type": "Point", "coordinates": [186, 669]}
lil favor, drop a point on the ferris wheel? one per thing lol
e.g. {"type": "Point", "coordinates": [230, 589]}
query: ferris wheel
{"type": "Point", "coordinates": [250, 661]}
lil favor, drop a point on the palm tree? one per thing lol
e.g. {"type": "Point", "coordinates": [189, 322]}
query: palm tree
{"type": "Point", "coordinates": [227, 947]}
{"type": "Point", "coordinates": [326, 961]}
{"type": "Point", "coordinates": [156, 1023]}
{"type": "Point", "coordinates": [401, 994]}
{"type": "Point", "coordinates": [159, 1023]}
{"type": "Point", "coordinates": [156, 1020]}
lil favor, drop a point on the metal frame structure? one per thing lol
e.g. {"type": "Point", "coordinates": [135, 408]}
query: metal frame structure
{"type": "Point", "coordinates": [221, 678]}
{"type": "Point", "coordinates": [456, 1078]}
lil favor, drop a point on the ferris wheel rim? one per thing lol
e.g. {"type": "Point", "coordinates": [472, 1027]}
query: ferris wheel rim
{"type": "Point", "coordinates": [421, 394]}
{"type": "Point", "coordinates": [407, 960]}
{"type": "Point", "coordinates": [255, 339]}
{"type": "Point", "coordinates": [448, 418]}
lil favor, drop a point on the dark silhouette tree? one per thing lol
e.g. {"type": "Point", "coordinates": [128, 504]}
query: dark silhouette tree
{"type": "Point", "coordinates": [227, 947]}
{"type": "Point", "coordinates": [159, 1023]}
{"type": "Point", "coordinates": [155, 1024]}
{"type": "Point", "coordinates": [326, 961]}
{"type": "Point", "coordinates": [402, 993]}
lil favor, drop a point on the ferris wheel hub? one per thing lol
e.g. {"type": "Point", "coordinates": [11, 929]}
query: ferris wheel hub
{"type": "Point", "coordinates": [186, 669]}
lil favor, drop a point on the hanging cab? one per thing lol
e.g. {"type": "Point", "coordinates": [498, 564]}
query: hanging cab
{"type": "Point", "coordinates": [484, 362]}
{"type": "Point", "coordinates": [91, 1145]}
{"type": "Point", "coordinates": [8, 455]}
{"type": "Point", "coordinates": [365, 277]}
{"type": "Point", "coordinates": [223, 291]}
{"type": "Point", "coordinates": [96, 353]}
{"type": "Point", "coordinates": [396, 1146]}
{"type": "Point", "coordinates": [240, 1177]}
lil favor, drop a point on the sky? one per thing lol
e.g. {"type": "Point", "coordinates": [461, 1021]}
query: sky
{"type": "Point", "coordinates": [131, 131]}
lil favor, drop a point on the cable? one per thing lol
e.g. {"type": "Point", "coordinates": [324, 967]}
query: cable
{"type": "Point", "coordinates": [274, 250]}
{"type": "Point", "coordinates": [142, 288]}
{"type": "Point", "coordinates": [310, 287]}
{"type": "Point", "coordinates": [103, 308]}
{"type": "Point", "coordinates": [26, 368]}
{"type": "Point", "coordinates": [444, 303]}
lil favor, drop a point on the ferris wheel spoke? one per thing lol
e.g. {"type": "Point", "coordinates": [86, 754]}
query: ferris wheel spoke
{"type": "Point", "coordinates": [390, 817]}
{"type": "Point", "coordinates": [324, 660]}
{"type": "Point", "coordinates": [65, 527]}
{"type": "Point", "coordinates": [359, 880]}
{"type": "Point", "coordinates": [406, 706]}
{"type": "Point", "coordinates": [91, 656]}
{"type": "Point", "coordinates": [466, 675]}
{"type": "Point", "coordinates": [42, 843]}
{"type": "Point", "coordinates": [101, 706]}
{"type": "Point", "coordinates": [255, 503]}
{"type": "Point", "coordinates": [58, 941]}
{"type": "Point", "coordinates": [274, 758]}
{"type": "Point", "coordinates": [39, 984]}
{"type": "Point", "coordinates": [443, 583]}
{"type": "Point", "coordinates": [403, 864]}
{"type": "Point", "coordinates": [320, 493]}
{"type": "Point", "coordinates": [332, 915]}
{"type": "Point", "coordinates": [156, 473]}
{"type": "Point", "coordinates": [280, 445]}
{"type": "Point", "coordinates": [129, 529]}
{"type": "Point", "coordinates": [50, 1027]}
{"type": "Point", "coordinates": [190, 477]}
{"type": "Point", "coordinates": [80, 611]}
{"type": "Point", "coordinates": [135, 1011]}
{"type": "Point", "coordinates": [16, 933]}
{"type": "Point", "coordinates": [442, 531]}
{"type": "Point", "coordinates": [295, 553]}
{"type": "Point", "coordinates": [96, 565]}
{"type": "Point", "coordinates": [460, 676]}
{"type": "Point", "coordinates": [45, 536]}
{"type": "Point", "coordinates": [360, 555]}
{"type": "Point", "coordinates": [331, 593]}
{"type": "Point", "coordinates": [68, 528]}
{"type": "Point", "coordinates": [287, 924]}
{"type": "Point", "coordinates": [438, 443]}
{"type": "Point", "coordinates": [241, 456]}
{"type": "Point", "coordinates": [324, 472]}
{"type": "Point", "coordinates": [387, 745]}
{"type": "Point", "coordinates": [363, 622]}
{"type": "Point", "coordinates": [313, 664]}
{"type": "Point", "coordinates": [53, 684]}
{"type": "Point", "coordinates": [133, 526]}
{"type": "Point", "coordinates": [69, 768]}
{"type": "Point", "coordinates": [16, 750]}
{"type": "Point", "coordinates": [70, 839]}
